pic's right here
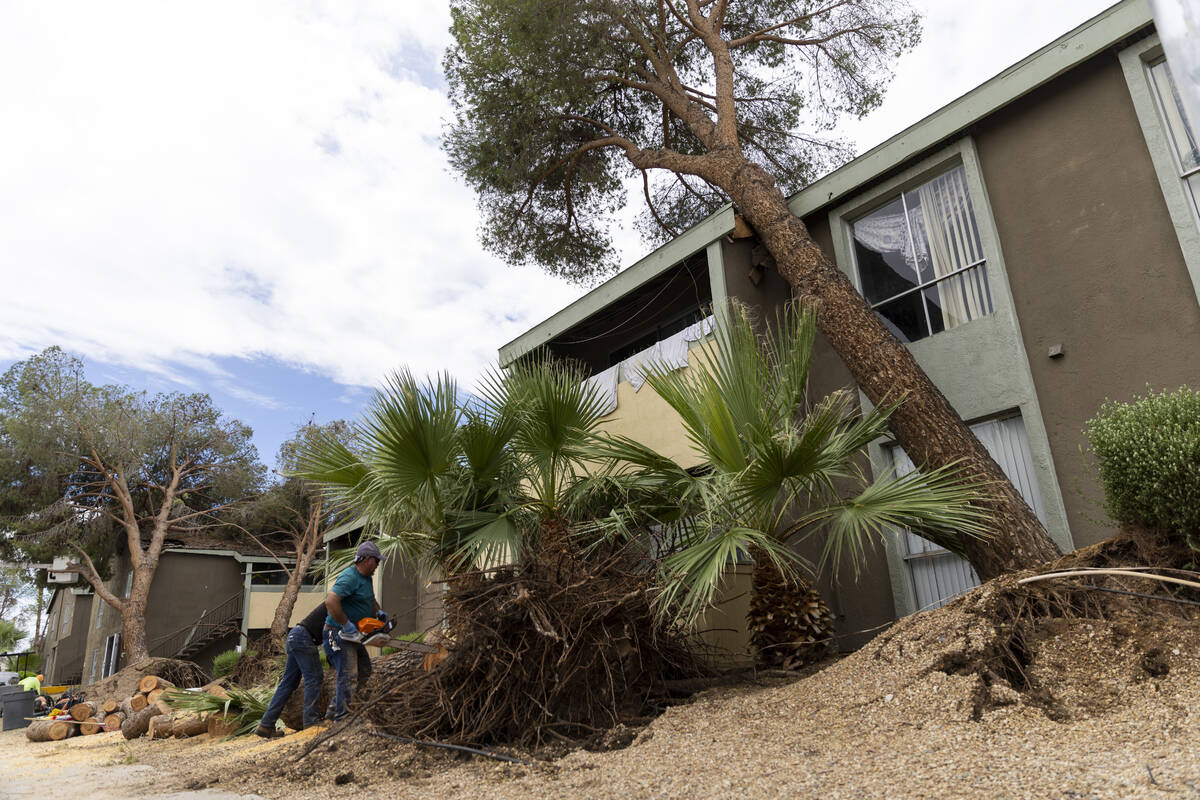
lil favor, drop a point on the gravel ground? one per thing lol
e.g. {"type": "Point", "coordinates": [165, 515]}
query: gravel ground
{"type": "Point", "coordinates": [1107, 710]}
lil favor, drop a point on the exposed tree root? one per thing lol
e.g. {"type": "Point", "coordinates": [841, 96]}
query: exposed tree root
{"type": "Point", "coordinates": [560, 650]}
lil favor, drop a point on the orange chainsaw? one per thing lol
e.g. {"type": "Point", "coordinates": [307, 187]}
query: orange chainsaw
{"type": "Point", "coordinates": [378, 633]}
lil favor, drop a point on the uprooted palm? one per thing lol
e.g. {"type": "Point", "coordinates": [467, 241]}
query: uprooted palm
{"type": "Point", "coordinates": [561, 637]}
{"type": "Point", "coordinates": [778, 468]}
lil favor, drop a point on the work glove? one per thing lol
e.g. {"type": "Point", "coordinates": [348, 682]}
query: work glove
{"type": "Point", "coordinates": [350, 632]}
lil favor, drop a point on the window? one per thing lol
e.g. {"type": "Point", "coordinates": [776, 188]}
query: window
{"type": "Point", "coordinates": [920, 259]}
{"type": "Point", "coordinates": [1180, 132]}
{"type": "Point", "coordinates": [1171, 141]}
{"type": "Point", "coordinates": [937, 575]}
{"type": "Point", "coordinates": [68, 612]}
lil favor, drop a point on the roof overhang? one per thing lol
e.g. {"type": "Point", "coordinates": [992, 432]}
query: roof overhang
{"type": "Point", "coordinates": [683, 246]}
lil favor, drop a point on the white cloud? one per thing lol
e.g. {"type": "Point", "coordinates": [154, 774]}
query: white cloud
{"type": "Point", "coordinates": [243, 179]}
{"type": "Point", "coordinates": [963, 45]}
{"type": "Point", "coordinates": [180, 183]}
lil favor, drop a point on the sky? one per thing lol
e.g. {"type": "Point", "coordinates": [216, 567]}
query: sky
{"type": "Point", "coordinates": [249, 199]}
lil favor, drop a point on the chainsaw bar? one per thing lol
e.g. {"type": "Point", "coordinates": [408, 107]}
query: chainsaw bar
{"type": "Point", "coordinates": [383, 640]}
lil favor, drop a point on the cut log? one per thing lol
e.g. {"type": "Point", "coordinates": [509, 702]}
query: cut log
{"type": "Point", "coordinates": [215, 689]}
{"type": "Point", "coordinates": [189, 726]}
{"type": "Point", "coordinates": [222, 725]}
{"type": "Point", "coordinates": [90, 726]}
{"type": "Point", "coordinates": [151, 682]}
{"type": "Point", "coordinates": [138, 702]}
{"type": "Point", "coordinates": [154, 695]}
{"type": "Point", "coordinates": [82, 711]}
{"type": "Point", "coordinates": [113, 721]}
{"type": "Point", "coordinates": [161, 727]}
{"type": "Point", "coordinates": [110, 705]}
{"type": "Point", "coordinates": [48, 730]}
{"type": "Point", "coordinates": [136, 726]}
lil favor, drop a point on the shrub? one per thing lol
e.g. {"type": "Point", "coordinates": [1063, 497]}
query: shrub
{"type": "Point", "coordinates": [227, 662]}
{"type": "Point", "coordinates": [1148, 455]}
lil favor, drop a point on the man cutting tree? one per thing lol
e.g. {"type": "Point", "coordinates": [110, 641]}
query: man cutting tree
{"type": "Point", "coordinates": [350, 600]}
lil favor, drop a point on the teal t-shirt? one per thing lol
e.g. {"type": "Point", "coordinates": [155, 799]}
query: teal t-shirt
{"type": "Point", "coordinates": [357, 593]}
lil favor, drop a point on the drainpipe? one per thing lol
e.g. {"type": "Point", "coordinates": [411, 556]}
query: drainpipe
{"type": "Point", "coordinates": [245, 639]}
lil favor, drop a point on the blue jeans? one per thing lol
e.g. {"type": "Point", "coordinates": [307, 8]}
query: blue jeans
{"type": "Point", "coordinates": [353, 667]}
{"type": "Point", "coordinates": [302, 661]}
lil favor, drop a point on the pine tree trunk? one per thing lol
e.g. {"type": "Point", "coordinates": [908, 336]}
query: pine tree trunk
{"type": "Point", "coordinates": [133, 631]}
{"type": "Point", "coordinates": [306, 548]}
{"type": "Point", "coordinates": [925, 424]}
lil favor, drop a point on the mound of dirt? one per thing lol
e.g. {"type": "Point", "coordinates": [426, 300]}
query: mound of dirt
{"type": "Point", "coordinates": [124, 683]}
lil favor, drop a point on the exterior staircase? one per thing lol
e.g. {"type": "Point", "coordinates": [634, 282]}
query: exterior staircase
{"type": "Point", "coordinates": [212, 624]}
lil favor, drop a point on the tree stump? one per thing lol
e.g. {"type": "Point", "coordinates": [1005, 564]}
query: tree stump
{"type": "Point", "coordinates": [189, 726]}
{"type": "Point", "coordinates": [48, 730]}
{"type": "Point", "coordinates": [149, 683]}
{"type": "Point", "coordinates": [221, 725]}
{"type": "Point", "coordinates": [82, 711]}
{"type": "Point", "coordinates": [90, 726]}
{"type": "Point", "coordinates": [139, 723]}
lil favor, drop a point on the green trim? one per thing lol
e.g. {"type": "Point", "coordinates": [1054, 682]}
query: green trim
{"type": "Point", "coordinates": [994, 379]}
{"type": "Point", "coordinates": [715, 252]}
{"type": "Point", "coordinates": [343, 529]}
{"type": "Point", "coordinates": [1134, 62]}
{"type": "Point", "coordinates": [241, 558]}
{"type": "Point", "coordinates": [664, 258]}
{"type": "Point", "coordinates": [1069, 50]}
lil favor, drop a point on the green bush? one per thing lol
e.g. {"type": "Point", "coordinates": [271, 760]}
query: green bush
{"type": "Point", "coordinates": [1148, 455]}
{"type": "Point", "coordinates": [227, 662]}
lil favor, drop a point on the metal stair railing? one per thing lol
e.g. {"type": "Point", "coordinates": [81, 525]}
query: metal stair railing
{"type": "Point", "coordinates": [209, 626]}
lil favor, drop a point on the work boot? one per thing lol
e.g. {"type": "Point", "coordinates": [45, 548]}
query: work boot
{"type": "Point", "coordinates": [268, 733]}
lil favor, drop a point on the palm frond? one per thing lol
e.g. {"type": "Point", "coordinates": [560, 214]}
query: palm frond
{"type": "Point", "coordinates": [938, 505]}
{"type": "Point", "coordinates": [692, 577]}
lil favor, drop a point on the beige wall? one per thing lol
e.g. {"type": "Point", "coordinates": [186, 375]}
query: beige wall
{"type": "Point", "coordinates": [645, 417]}
{"type": "Point", "coordinates": [723, 627]}
{"type": "Point", "coordinates": [265, 599]}
{"type": "Point", "coordinates": [1093, 261]}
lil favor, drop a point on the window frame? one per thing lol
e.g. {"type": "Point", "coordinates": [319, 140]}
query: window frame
{"type": "Point", "coordinates": [1183, 207]}
{"type": "Point", "coordinates": [960, 152]}
{"type": "Point", "coordinates": [921, 287]}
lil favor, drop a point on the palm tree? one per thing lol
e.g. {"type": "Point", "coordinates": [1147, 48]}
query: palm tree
{"type": "Point", "coordinates": [777, 469]}
{"type": "Point", "coordinates": [454, 481]}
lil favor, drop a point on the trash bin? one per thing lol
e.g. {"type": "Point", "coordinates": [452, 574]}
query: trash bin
{"type": "Point", "coordinates": [17, 705]}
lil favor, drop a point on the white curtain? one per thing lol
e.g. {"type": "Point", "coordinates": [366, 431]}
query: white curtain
{"type": "Point", "coordinates": [888, 233]}
{"type": "Point", "coordinates": [948, 222]}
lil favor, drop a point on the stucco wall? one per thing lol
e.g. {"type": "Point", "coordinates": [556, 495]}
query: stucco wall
{"type": "Point", "coordinates": [645, 417]}
{"type": "Point", "coordinates": [1093, 262]}
{"type": "Point", "coordinates": [63, 653]}
{"type": "Point", "coordinates": [264, 600]}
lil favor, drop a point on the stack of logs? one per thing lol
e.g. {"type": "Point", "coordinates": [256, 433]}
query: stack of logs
{"type": "Point", "coordinates": [145, 713]}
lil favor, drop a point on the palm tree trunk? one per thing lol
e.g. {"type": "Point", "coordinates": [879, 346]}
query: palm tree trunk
{"type": "Point", "coordinates": [925, 424]}
{"type": "Point", "coordinates": [790, 625]}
